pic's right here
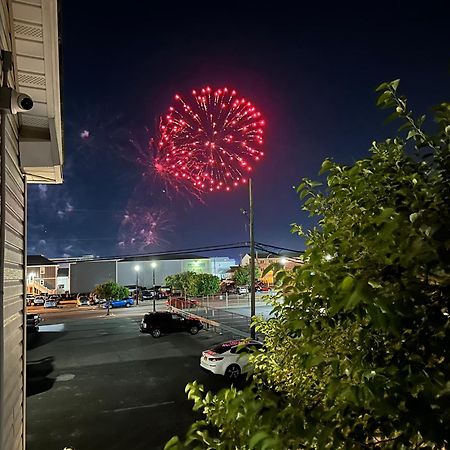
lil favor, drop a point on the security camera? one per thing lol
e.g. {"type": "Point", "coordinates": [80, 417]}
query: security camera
{"type": "Point", "coordinates": [20, 102]}
{"type": "Point", "coordinates": [14, 102]}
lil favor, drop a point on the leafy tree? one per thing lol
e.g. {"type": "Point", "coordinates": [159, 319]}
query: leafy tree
{"type": "Point", "coordinates": [242, 274]}
{"type": "Point", "coordinates": [111, 291]}
{"type": "Point", "coordinates": [183, 282]}
{"type": "Point", "coordinates": [194, 284]}
{"type": "Point", "coordinates": [357, 355]}
{"type": "Point", "coordinates": [204, 284]}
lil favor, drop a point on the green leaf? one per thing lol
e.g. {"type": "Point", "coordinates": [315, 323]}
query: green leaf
{"type": "Point", "coordinates": [303, 194]}
{"type": "Point", "coordinates": [173, 444]}
{"type": "Point", "coordinates": [326, 166]}
{"type": "Point", "coordinates": [257, 438]}
{"type": "Point", "coordinates": [384, 97]}
{"type": "Point", "coordinates": [391, 117]}
{"type": "Point", "coordinates": [411, 134]}
{"type": "Point", "coordinates": [347, 283]}
{"type": "Point", "coordinates": [381, 87]}
{"type": "Point", "coordinates": [394, 84]}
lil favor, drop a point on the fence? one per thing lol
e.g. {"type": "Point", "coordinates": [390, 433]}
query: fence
{"type": "Point", "coordinates": [221, 320]}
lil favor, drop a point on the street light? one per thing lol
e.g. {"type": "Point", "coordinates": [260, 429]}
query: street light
{"type": "Point", "coordinates": [154, 290]}
{"type": "Point", "coordinates": [137, 268]}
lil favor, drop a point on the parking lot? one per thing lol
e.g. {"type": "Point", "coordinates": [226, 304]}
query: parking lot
{"type": "Point", "coordinates": [95, 382]}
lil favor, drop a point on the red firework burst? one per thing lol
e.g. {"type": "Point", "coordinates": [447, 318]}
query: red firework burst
{"type": "Point", "coordinates": [210, 140]}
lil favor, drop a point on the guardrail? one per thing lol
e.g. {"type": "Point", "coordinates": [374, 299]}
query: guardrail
{"type": "Point", "coordinates": [219, 319]}
{"type": "Point", "coordinates": [209, 323]}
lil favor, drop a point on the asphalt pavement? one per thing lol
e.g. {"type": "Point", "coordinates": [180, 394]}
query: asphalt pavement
{"type": "Point", "coordinates": [95, 382]}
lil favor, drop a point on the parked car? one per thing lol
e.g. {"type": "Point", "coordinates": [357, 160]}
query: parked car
{"type": "Point", "coordinates": [55, 297]}
{"type": "Point", "coordinates": [50, 303]}
{"type": "Point", "coordinates": [182, 303]}
{"type": "Point", "coordinates": [230, 358]}
{"type": "Point", "coordinates": [157, 323]}
{"type": "Point", "coordinates": [126, 302]}
{"type": "Point", "coordinates": [157, 292]}
{"type": "Point", "coordinates": [39, 300]}
{"type": "Point", "coordinates": [262, 288]}
{"type": "Point", "coordinates": [33, 321]}
{"type": "Point", "coordinates": [242, 290]}
{"type": "Point", "coordinates": [30, 299]}
{"type": "Point", "coordinates": [148, 295]}
{"type": "Point", "coordinates": [83, 301]}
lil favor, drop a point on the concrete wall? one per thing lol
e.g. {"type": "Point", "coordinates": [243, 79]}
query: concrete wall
{"type": "Point", "coordinates": [85, 275]}
{"type": "Point", "coordinates": [127, 273]}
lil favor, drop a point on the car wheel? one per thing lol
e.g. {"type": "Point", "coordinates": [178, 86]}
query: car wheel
{"type": "Point", "coordinates": [193, 330]}
{"type": "Point", "coordinates": [156, 333]}
{"type": "Point", "coordinates": [127, 305]}
{"type": "Point", "coordinates": [233, 372]}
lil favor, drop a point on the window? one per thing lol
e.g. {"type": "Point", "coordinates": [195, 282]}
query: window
{"type": "Point", "coordinates": [177, 317]}
{"type": "Point", "coordinates": [42, 282]}
{"type": "Point", "coordinates": [60, 286]}
{"type": "Point", "coordinates": [42, 270]}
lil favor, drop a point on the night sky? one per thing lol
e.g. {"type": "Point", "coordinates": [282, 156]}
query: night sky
{"type": "Point", "coordinates": [311, 71]}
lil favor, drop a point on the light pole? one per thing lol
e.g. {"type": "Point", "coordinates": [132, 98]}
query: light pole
{"type": "Point", "coordinates": [154, 284]}
{"type": "Point", "coordinates": [252, 257]}
{"type": "Point", "coordinates": [137, 268]}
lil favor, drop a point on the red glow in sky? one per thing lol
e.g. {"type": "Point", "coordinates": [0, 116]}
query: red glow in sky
{"type": "Point", "coordinates": [210, 140]}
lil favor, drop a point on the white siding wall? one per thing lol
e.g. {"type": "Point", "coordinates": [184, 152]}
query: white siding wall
{"type": "Point", "coordinates": [12, 377]}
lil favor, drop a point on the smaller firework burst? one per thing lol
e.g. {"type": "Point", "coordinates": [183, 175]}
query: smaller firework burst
{"type": "Point", "coordinates": [155, 179]}
{"type": "Point", "coordinates": [142, 228]}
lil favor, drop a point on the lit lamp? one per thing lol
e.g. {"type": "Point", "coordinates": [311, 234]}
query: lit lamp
{"type": "Point", "coordinates": [154, 283]}
{"type": "Point", "coordinates": [136, 269]}
{"type": "Point", "coordinates": [30, 280]}
{"type": "Point", "coordinates": [283, 261]}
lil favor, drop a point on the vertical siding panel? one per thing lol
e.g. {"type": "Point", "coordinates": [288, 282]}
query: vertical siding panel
{"type": "Point", "coordinates": [13, 329]}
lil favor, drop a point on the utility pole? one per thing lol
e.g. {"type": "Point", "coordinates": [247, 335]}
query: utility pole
{"type": "Point", "coordinates": [252, 258]}
{"type": "Point", "coordinates": [154, 286]}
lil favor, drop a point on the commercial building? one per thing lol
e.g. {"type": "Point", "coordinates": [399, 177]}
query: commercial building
{"type": "Point", "coordinates": [31, 152]}
{"type": "Point", "coordinates": [41, 275]}
{"type": "Point", "coordinates": [146, 270]}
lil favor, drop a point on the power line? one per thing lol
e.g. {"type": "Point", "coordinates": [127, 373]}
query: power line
{"type": "Point", "coordinates": [186, 251]}
{"type": "Point", "coordinates": [281, 248]}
